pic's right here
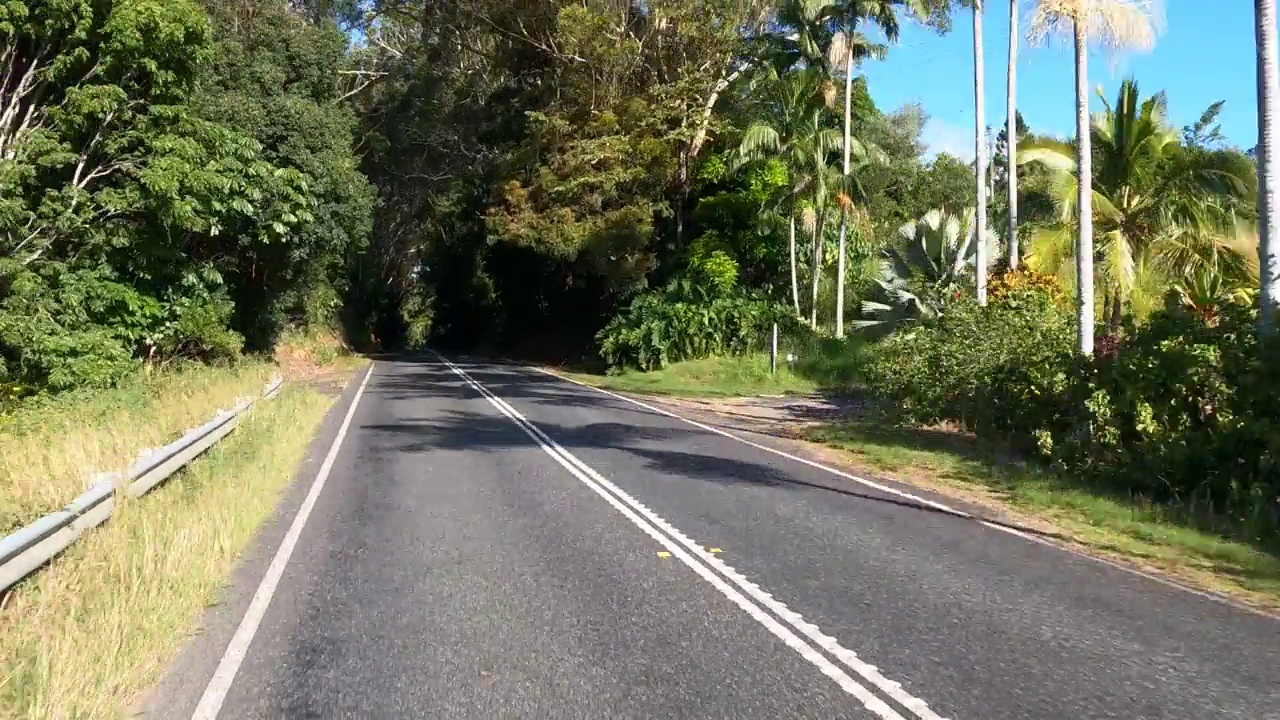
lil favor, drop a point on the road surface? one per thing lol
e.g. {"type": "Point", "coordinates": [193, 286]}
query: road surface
{"type": "Point", "coordinates": [486, 541]}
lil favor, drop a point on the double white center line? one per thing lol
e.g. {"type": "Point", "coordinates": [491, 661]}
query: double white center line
{"type": "Point", "coordinates": [757, 603]}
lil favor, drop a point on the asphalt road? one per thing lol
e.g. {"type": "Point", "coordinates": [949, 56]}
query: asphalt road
{"type": "Point", "coordinates": [491, 542]}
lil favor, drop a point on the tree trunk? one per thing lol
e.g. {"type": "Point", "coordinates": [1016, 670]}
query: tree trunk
{"type": "Point", "coordinates": [690, 154]}
{"type": "Point", "coordinates": [795, 281]}
{"type": "Point", "coordinates": [844, 207]}
{"type": "Point", "coordinates": [1011, 129]}
{"type": "Point", "coordinates": [817, 266]}
{"type": "Point", "coordinates": [682, 197]}
{"type": "Point", "coordinates": [979, 97]}
{"type": "Point", "coordinates": [708, 109]}
{"type": "Point", "coordinates": [1268, 182]}
{"type": "Point", "coordinates": [1084, 198]}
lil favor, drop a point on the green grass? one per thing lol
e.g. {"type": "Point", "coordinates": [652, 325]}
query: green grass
{"type": "Point", "coordinates": [712, 377]}
{"type": "Point", "coordinates": [819, 364]}
{"type": "Point", "coordinates": [1126, 528]}
{"type": "Point", "coordinates": [83, 637]}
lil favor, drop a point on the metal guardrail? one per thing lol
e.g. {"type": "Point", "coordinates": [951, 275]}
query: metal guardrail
{"type": "Point", "coordinates": [27, 549]}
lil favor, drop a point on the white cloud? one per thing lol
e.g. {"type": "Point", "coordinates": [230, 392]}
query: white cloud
{"type": "Point", "coordinates": [939, 136]}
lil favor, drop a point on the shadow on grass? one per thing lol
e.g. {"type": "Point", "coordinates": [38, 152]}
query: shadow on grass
{"type": "Point", "coordinates": [1227, 543]}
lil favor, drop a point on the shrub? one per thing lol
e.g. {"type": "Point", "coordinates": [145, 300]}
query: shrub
{"type": "Point", "coordinates": [1184, 411]}
{"type": "Point", "coordinates": [971, 363]}
{"type": "Point", "coordinates": [1189, 411]}
{"type": "Point", "coordinates": [62, 328]}
{"type": "Point", "coordinates": [1012, 283]}
{"type": "Point", "coordinates": [712, 264]}
{"type": "Point", "coordinates": [683, 324]}
{"type": "Point", "coordinates": [195, 328]}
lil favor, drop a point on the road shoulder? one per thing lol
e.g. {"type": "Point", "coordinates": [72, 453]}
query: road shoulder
{"type": "Point", "coordinates": [177, 694]}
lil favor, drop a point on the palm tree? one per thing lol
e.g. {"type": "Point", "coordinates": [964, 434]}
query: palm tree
{"type": "Point", "coordinates": [1011, 130]}
{"type": "Point", "coordinates": [823, 34]}
{"type": "Point", "coordinates": [819, 143]}
{"type": "Point", "coordinates": [788, 102]}
{"type": "Point", "coordinates": [794, 134]}
{"type": "Point", "coordinates": [1268, 144]}
{"type": "Point", "coordinates": [803, 36]}
{"type": "Point", "coordinates": [849, 46]}
{"type": "Point", "coordinates": [980, 155]}
{"type": "Point", "coordinates": [1117, 25]}
{"type": "Point", "coordinates": [1162, 212]}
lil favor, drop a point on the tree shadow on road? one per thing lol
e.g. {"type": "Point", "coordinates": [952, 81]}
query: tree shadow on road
{"type": "Point", "coordinates": [643, 434]}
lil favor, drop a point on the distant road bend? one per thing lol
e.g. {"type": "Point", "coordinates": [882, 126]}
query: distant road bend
{"type": "Point", "coordinates": [480, 540]}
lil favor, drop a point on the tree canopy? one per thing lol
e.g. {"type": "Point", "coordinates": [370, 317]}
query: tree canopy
{"type": "Point", "coordinates": [186, 179]}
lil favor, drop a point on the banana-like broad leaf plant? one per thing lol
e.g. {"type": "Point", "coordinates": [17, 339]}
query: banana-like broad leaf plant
{"type": "Point", "coordinates": [928, 266]}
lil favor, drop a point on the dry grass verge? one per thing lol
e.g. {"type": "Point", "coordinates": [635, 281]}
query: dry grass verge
{"type": "Point", "coordinates": [83, 637]}
{"type": "Point", "coordinates": [50, 447]}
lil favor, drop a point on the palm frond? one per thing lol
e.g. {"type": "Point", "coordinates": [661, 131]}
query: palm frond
{"type": "Point", "coordinates": [1114, 25]}
{"type": "Point", "coordinates": [760, 138]}
{"type": "Point", "coordinates": [1052, 250]}
{"type": "Point", "coordinates": [1055, 155]}
{"type": "Point", "coordinates": [1118, 267]}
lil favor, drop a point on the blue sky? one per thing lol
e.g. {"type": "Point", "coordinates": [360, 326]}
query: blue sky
{"type": "Point", "coordinates": [1202, 56]}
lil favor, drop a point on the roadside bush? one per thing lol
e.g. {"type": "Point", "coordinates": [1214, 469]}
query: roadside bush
{"type": "Point", "coordinates": [971, 364]}
{"type": "Point", "coordinates": [1188, 412]}
{"type": "Point", "coordinates": [62, 329]}
{"type": "Point", "coordinates": [196, 328]}
{"type": "Point", "coordinates": [1185, 411]}
{"type": "Point", "coordinates": [685, 324]}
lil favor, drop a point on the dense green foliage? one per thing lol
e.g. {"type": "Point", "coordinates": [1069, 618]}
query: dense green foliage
{"type": "Point", "coordinates": [928, 266]}
{"type": "Point", "coordinates": [190, 178]}
{"type": "Point", "coordinates": [684, 323]}
{"type": "Point", "coordinates": [1166, 206]}
{"type": "Point", "coordinates": [538, 166]}
{"type": "Point", "coordinates": [175, 180]}
{"type": "Point", "coordinates": [967, 363]}
{"type": "Point", "coordinates": [1183, 411]}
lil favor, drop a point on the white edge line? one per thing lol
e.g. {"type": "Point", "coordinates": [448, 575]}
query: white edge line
{"type": "Point", "coordinates": [216, 691]}
{"type": "Point", "coordinates": [1205, 594]}
{"type": "Point", "coordinates": [849, 658]}
{"type": "Point", "coordinates": [624, 503]}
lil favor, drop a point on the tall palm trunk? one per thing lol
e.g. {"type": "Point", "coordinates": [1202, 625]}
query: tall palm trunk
{"type": "Point", "coordinates": [1011, 130]}
{"type": "Point", "coordinates": [979, 99]}
{"type": "Point", "coordinates": [844, 207]}
{"type": "Point", "coordinates": [819, 231]}
{"type": "Point", "coordinates": [1084, 199]}
{"type": "Point", "coordinates": [1268, 146]}
{"type": "Point", "coordinates": [795, 281]}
